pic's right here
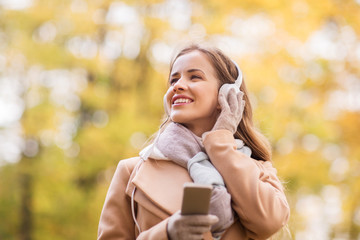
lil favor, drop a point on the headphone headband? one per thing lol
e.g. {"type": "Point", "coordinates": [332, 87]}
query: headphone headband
{"type": "Point", "coordinates": [238, 81]}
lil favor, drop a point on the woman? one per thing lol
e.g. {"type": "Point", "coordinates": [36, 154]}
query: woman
{"type": "Point", "coordinates": [208, 138]}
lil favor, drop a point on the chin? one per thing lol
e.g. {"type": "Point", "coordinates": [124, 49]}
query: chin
{"type": "Point", "coordinates": [178, 119]}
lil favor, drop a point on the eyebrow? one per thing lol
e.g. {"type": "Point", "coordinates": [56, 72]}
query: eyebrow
{"type": "Point", "coordinates": [189, 71]}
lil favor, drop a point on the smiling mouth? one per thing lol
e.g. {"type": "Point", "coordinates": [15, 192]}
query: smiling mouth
{"type": "Point", "coordinates": [181, 101]}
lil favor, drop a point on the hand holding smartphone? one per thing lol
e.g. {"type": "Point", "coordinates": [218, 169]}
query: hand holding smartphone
{"type": "Point", "coordinates": [196, 199]}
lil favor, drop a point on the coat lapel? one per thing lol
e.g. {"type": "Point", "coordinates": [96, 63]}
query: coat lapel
{"type": "Point", "coordinates": [160, 184]}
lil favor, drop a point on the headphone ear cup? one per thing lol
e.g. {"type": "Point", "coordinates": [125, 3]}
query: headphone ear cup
{"type": "Point", "coordinates": [166, 107]}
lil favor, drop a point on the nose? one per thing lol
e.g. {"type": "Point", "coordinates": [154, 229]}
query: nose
{"type": "Point", "coordinates": [180, 85]}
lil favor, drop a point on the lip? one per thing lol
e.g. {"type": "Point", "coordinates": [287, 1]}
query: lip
{"type": "Point", "coordinates": [173, 99]}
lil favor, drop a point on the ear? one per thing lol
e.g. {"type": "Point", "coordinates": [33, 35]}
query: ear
{"type": "Point", "coordinates": [218, 107]}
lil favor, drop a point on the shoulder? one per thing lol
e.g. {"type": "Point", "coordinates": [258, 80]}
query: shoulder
{"type": "Point", "coordinates": [123, 172]}
{"type": "Point", "coordinates": [128, 165]}
{"type": "Point", "coordinates": [125, 167]}
{"type": "Point", "coordinates": [266, 165]}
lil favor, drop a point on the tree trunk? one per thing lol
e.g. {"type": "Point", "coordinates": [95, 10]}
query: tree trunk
{"type": "Point", "coordinates": [26, 220]}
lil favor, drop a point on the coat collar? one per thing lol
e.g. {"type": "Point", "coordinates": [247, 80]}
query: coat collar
{"type": "Point", "coordinates": [160, 183]}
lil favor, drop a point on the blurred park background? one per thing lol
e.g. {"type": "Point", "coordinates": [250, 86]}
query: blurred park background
{"type": "Point", "coordinates": [81, 87]}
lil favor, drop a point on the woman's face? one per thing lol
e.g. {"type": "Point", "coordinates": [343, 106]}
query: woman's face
{"type": "Point", "coordinates": [192, 98]}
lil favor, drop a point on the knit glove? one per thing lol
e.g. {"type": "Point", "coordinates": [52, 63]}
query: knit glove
{"type": "Point", "coordinates": [232, 107]}
{"type": "Point", "coordinates": [189, 227]}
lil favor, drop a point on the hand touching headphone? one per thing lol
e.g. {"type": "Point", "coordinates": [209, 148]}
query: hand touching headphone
{"type": "Point", "coordinates": [232, 104]}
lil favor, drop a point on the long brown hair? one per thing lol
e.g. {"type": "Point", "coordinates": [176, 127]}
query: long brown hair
{"type": "Point", "coordinates": [227, 73]}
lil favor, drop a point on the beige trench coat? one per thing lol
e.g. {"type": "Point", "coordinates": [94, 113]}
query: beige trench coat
{"type": "Point", "coordinates": [257, 194]}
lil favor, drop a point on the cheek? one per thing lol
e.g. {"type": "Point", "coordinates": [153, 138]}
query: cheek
{"type": "Point", "coordinates": [215, 104]}
{"type": "Point", "coordinates": [213, 98]}
{"type": "Point", "coordinates": [210, 101]}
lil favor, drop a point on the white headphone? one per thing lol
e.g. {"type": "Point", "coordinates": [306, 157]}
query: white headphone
{"type": "Point", "coordinates": [238, 81]}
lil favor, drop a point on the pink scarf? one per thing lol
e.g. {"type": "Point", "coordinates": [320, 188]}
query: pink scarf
{"type": "Point", "coordinates": [178, 144]}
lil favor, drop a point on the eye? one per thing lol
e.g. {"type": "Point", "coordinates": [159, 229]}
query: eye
{"type": "Point", "coordinates": [195, 77]}
{"type": "Point", "coordinates": [173, 81]}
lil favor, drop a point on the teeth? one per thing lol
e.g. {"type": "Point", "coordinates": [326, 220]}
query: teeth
{"type": "Point", "coordinates": [182, 100]}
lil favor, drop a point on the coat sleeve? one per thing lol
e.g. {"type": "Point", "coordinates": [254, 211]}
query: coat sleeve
{"type": "Point", "coordinates": [116, 221]}
{"type": "Point", "coordinates": [256, 192]}
{"type": "Point", "coordinates": [157, 232]}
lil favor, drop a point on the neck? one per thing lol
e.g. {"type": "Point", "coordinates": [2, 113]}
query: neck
{"type": "Point", "coordinates": [202, 125]}
{"type": "Point", "coordinates": [199, 129]}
